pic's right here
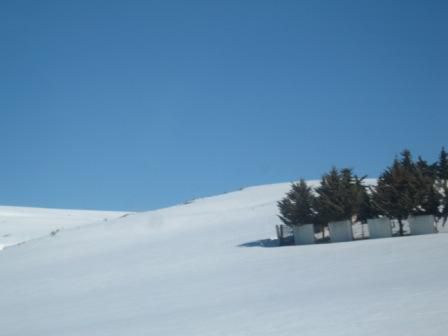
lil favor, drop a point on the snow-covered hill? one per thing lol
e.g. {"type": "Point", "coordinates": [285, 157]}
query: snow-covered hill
{"type": "Point", "coordinates": [200, 269]}
{"type": "Point", "coordinates": [20, 224]}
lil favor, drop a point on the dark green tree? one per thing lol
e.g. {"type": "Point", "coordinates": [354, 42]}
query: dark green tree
{"type": "Point", "coordinates": [406, 188]}
{"type": "Point", "coordinates": [367, 208]}
{"type": "Point", "coordinates": [444, 203]}
{"type": "Point", "coordinates": [297, 208]}
{"type": "Point", "coordinates": [442, 166]}
{"type": "Point", "coordinates": [340, 195]}
{"type": "Point", "coordinates": [427, 170]}
{"type": "Point", "coordinates": [428, 196]}
{"type": "Point", "coordinates": [394, 193]}
{"type": "Point", "coordinates": [442, 183]}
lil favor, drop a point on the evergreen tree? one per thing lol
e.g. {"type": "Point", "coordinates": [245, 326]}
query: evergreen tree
{"type": "Point", "coordinates": [367, 208]}
{"type": "Point", "coordinates": [442, 183]}
{"type": "Point", "coordinates": [297, 208]}
{"type": "Point", "coordinates": [340, 195]}
{"type": "Point", "coordinates": [426, 169]}
{"type": "Point", "coordinates": [442, 166]}
{"type": "Point", "coordinates": [407, 188]}
{"type": "Point", "coordinates": [428, 197]}
{"type": "Point", "coordinates": [285, 207]}
{"type": "Point", "coordinates": [394, 194]}
{"type": "Point", "coordinates": [444, 204]}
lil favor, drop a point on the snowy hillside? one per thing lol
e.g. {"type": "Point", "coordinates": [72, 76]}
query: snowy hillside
{"type": "Point", "coordinates": [200, 269]}
{"type": "Point", "coordinates": [20, 224]}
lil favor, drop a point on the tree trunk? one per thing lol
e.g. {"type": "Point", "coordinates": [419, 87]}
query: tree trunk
{"type": "Point", "coordinates": [400, 224]}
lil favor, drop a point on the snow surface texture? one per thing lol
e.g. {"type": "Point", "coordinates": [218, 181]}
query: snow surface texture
{"type": "Point", "coordinates": [207, 268]}
{"type": "Point", "coordinates": [20, 224]}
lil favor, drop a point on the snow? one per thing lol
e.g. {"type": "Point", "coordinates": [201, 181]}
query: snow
{"type": "Point", "coordinates": [20, 224]}
{"type": "Point", "coordinates": [201, 269]}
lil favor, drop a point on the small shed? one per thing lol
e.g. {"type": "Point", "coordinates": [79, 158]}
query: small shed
{"type": "Point", "coordinates": [304, 234]}
{"type": "Point", "coordinates": [340, 231]}
{"type": "Point", "coordinates": [379, 227]}
{"type": "Point", "coordinates": [421, 224]}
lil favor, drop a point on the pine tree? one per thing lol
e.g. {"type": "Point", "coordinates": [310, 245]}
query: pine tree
{"type": "Point", "coordinates": [406, 160]}
{"type": "Point", "coordinates": [285, 207]}
{"type": "Point", "coordinates": [426, 169]}
{"type": "Point", "coordinates": [340, 195]}
{"type": "Point", "coordinates": [428, 196]}
{"type": "Point", "coordinates": [394, 194]}
{"type": "Point", "coordinates": [442, 166]}
{"type": "Point", "coordinates": [367, 208]}
{"type": "Point", "coordinates": [297, 208]}
{"type": "Point", "coordinates": [444, 204]}
{"type": "Point", "coordinates": [442, 183]}
{"type": "Point", "coordinates": [407, 188]}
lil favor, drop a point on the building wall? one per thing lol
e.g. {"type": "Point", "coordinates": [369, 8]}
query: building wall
{"type": "Point", "coordinates": [304, 234]}
{"type": "Point", "coordinates": [380, 228]}
{"type": "Point", "coordinates": [340, 231]}
{"type": "Point", "coordinates": [421, 224]}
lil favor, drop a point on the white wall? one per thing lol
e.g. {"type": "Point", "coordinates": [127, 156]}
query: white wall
{"type": "Point", "coordinates": [340, 231]}
{"type": "Point", "coordinates": [304, 234]}
{"type": "Point", "coordinates": [379, 228]}
{"type": "Point", "coordinates": [421, 224]}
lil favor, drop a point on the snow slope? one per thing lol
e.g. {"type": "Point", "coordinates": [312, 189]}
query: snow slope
{"type": "Point", "coordinates": [20, 224]}
{"type": "Point", "coordinates": [206, 269]}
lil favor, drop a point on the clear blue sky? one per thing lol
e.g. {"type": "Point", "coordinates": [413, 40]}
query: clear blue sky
{"type": "Point", "coordinates": [134, 105]}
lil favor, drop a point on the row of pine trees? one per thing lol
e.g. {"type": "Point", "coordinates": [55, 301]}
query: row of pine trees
{"type": "Point", "coordinates": [406, 188]}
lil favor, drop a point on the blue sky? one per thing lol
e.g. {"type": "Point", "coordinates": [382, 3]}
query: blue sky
{"type": "Point", "coordinates": [135, 105]}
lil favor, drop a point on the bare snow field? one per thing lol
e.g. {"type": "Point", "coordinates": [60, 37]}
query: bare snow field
{"type": "Point", "coordinates": [201, 269]}
{"type": "Point", "coordinates": [20, 224]}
